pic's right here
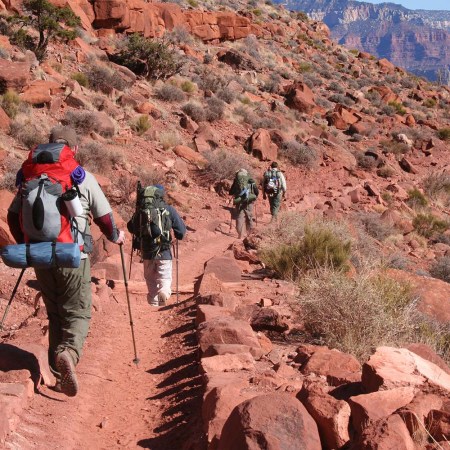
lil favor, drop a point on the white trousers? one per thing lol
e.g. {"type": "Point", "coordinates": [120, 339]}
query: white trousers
{"type": "Point", "coordinates": [158, 276]}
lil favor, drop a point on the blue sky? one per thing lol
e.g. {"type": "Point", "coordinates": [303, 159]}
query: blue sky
{"type": "Point", "coordinates": [419, 4]}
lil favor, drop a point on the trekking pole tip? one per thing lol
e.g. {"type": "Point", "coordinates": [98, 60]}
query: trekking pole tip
{"type": "Point", "coordinates": [136, 361]}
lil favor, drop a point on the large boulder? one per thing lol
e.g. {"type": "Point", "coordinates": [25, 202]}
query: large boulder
{"type": "Point", "coordinates": [272, 421]}
{"type": "Point", "coordinates": [13, 75]}
{"type": "Point", "coordinates": [300, 97]}
{"type": "Point", "coordinates": [260, 145]}
{"type": "Point", "coordinates": [392, 367]}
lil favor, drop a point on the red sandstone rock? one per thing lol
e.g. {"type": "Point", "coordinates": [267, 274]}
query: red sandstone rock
{"type": "Point", "coordinates": [300, 97]}
{"type": "Point", "coordinates": [190, 155]}
{"type": "Point", "coordinates": [230, 362]}
{"type": "Point", "coordinates": [14, 75]}
{"type": "Point", "coordinates": [370, 408]}
{"type": "Point", "coordinates": [261, 146]}
{"type": "Point", "coordinates": [278, 420]}
{"type": "Point", "coordinates": [224, 268]}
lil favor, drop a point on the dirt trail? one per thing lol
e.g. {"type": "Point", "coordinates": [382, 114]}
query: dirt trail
{"type": "Point", "coordinates": [155, 405]}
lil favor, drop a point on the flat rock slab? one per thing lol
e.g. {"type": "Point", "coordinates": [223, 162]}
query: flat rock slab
{"type": "Point", "coordinates": [224, 268]}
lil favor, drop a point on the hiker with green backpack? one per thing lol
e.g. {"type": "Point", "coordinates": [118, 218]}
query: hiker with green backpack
{"type": "Point", "coordinates": [152, 225]}
{"type": "Point", "coordinates": [245, 193]}
{"type": "Point", "coordinates": [274, 187]}
{"type": "Point", "coordinates": [50, 220]}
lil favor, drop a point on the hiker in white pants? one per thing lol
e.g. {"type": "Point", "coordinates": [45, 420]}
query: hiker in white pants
{"type": "Point", "coordinates": [156, 253]}
{"type": "Point", "coordinates": [158, 276]}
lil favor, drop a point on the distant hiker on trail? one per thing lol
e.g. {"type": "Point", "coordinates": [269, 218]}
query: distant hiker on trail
{"type": "Point", "coordinates": [245, 193]}
{"type": "Point", "coordinates": [274, 187]}
{"type": "Point", "coordinates": [151, 226]}
{"type": "Point", "coordinates": [66, 291]}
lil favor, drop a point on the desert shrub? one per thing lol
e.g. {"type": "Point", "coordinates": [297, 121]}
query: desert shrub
{"type": "Point", "coordinates": [407, 83]}
{"type": "Point", "coordinates": [141, 125]}
{"type": "Point", "coordinates": [80, 78]}
{"type": "Point", "coordinates": [429, 103]}
{"type": "Point", "coordinates": [416, 199]}
{"type": "Point", "coordinates": [210, 82]}
{"type": "Point", "coordinates": [444, 134]}
{"type": "Point", "coordinates": [170, 93]}
{"type": "Point", "coordinates": [398, 108]}
{"type": "Point", "coordinates": [366, 162]}
{"type": "Point", "coordinates": [179, 35]}
{"type": "Point", "coordinates": [299, 154]}
{"type": "Point", "coordinates": [195, 111]}
{"type": "Point", "coordinates": [223, 165]}
{"type": "Point", "coordinates": [441, 268]}
{"type": "Point", "coordinates": [397, 261]}
{"type": "Point", "coordinates": [27, 132]}
{"type": "Point", "coordinates": [374, 98]}
{"type": "Point", "coordinates": [188, 87]}
{"type": "Point", "coordinates": [312, 79]}
{"type": "Point", "coordinates": [103, 78]}
{"type": "Point", "coordinates": [83, 121]}
{"type": "Point", "coordinates": [427, 225]}
{"type": "Point", "coordinates": [397, 148]}
{"type": "Point", "coordinates": [317, 245]}
{"type": "Point", "coordinates": [97, 158]}
{"type": "Point", "coordinates": [340, 98]}
{"type": "Point", "coordinates": [386, 172]}
{"type": "Point", "coordinates": [437, 187]}
{"type": "Point", "coordinates": [215, 109]}
{"type": "Point", "coordinates": [367, 312]}
{"type": "Point", "coordinates": [193, 3]}
{"type": "Point", "coordinates": [169, 139]}
{"type": "Point", "coordinates": [3, 52]}
{"type": "Point", "coordinates": [226, 94]}
{"type": "Point", "coordinates": [376, 227]}
{"type": "Point", "coordinates": [151, 58]}
{"type": "Point", "coordinates": [8, 180]}
{"type": "Point", "coordinates": [304, 67]}
{"type": "Point", "coordinates": [10, 102]}
{"type": "Point", "coordinates": [336, 87]}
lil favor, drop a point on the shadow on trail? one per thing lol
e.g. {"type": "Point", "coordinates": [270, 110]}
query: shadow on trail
{"type": "Point", "coordinates": [183, 389]}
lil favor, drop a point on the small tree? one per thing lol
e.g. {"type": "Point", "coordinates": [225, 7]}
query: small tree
{"type": "Point", "coordinates": [151, 58]}
{"type": "Point", "coordinates": [47, 19]}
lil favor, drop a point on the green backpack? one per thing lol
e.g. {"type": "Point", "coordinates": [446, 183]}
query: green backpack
{"type": "Point", "coordinates": [245, 184]}
{"type": "Point", "coordinates": [153, 222]}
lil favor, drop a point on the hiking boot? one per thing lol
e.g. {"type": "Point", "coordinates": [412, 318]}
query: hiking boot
{"type": "Point", "coordinates": [153, 301]}
{"type": "Point", "coordinates": [66, 367]}
{"type": "Point", "coordinates": [162, 299]}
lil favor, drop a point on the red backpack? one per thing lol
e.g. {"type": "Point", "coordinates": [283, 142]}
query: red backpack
{"type": "Point", "coordinates": [46, 175]}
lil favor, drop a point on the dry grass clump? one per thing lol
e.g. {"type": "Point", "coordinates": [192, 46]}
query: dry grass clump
{"type": "Point", "coordinates": [437, 187]}
{"type": "Point", "coordinates": [11, 103]}
{"type": "Point", "coordinates": [8, 180]}
{"type": "Point", "coordinates": [428, 225]}
{"type": "Point", "coordinates": [169, 139]}
{"type": "Point", "coordinates": [104, 79]}
{"type": "Point", "coordinates": [27, 132]}
{"type": "Point", "coordinates": [299, 154]}
{"type": "Point", "coordinates": [141, 124]}
{"type": "Point", "coordinates": [441, 268]}
{"type": "Point", "coordinates": [376, 227]}
{"type": "Point", "coordinates": [357, 315]}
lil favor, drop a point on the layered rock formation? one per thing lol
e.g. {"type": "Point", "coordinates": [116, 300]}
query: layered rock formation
{"type": "Point", "coordinates": [415, 40]}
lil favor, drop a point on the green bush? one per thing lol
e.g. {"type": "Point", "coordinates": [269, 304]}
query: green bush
{"type": "Point", "coordinates": [151, 58]}
{"type": "Point", "coordinates": [444, 134]}
{"type": "Point", "coordinates": [141, 125]}
{"type": "Point", "coordinates": [427, 225]}
{"type": "Point", "coordinates": [188, 87]}
{"type": "Point", "coordinates": [80, 78]}
{"type": "Point", "coordinates": [429, 103]}
{"type": "Point", "coordinates": [318, 248]}
{"type": "Point", "coordinates": [398, 107]}
{"type": "Point", "coordinates": [416, 198]}
{"type": "Point", "coordinates": [10, 102]}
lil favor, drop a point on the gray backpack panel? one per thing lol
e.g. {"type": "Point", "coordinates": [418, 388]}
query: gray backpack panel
{"type": "Point", "coordinates": [41, 218]}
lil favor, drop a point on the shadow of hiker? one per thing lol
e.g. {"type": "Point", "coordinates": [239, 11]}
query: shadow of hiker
{"type": "Point", "coordinates": [15, 358]}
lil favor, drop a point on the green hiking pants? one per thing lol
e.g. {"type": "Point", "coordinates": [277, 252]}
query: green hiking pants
{"type": "Point", "coordinates": [275, 203]}
{"type": "Point", "coordinates": [67, 297]}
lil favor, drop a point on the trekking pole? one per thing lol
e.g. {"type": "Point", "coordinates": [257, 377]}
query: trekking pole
{"type": "Point", "coordinates": [136, 359]}
{"type": "Point", "coordinates": [11, 299]}
{"type": "Point", "coordinates": [256, 213]}
{"type": "Point", "coordinates": [177, 272]}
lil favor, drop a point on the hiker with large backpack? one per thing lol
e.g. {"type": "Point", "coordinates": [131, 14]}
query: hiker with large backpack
{"type": "Point", "coordinates": [245, 193]}
{"type": "Point", "coordinates": [49, 216]}
{"type": "Point", "coordinates": [152, 225]}
{"type": "Point", "coordinates": [274, 187]}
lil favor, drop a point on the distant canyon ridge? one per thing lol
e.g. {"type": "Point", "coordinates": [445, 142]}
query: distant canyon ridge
{"type": "Point", "coordinates": [417, 40]}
